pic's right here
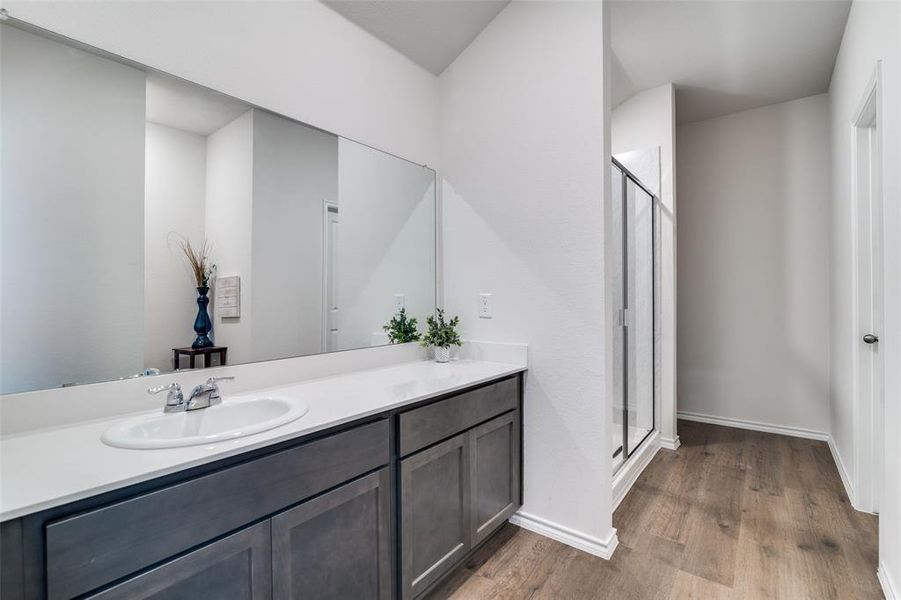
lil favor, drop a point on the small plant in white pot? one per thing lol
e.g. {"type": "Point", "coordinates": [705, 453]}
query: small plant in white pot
{"type": "Point", "coordinates": [441, 335]}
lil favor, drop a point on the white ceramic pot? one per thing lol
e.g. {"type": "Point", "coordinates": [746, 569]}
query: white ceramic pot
{"type": "Point", "coordinates": [442, 355]}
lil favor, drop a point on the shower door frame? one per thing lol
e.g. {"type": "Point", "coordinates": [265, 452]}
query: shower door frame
{"type": "Point", "coordinates": [627, 175]}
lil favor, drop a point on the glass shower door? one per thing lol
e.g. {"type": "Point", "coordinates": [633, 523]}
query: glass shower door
{"type": "Point", "coordinates": [619, 340]}
{"type": "Point", "coordinates": [634, 358]}
{"type": "Point", "coordinates": [640, 322]}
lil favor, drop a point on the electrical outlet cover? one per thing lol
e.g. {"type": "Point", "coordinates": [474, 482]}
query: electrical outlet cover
{"type": "Point", "coordinates": [485, 305]}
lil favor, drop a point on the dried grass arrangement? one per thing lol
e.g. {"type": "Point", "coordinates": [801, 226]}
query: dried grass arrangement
{"type": "Point", "coordinates": [197, 259]}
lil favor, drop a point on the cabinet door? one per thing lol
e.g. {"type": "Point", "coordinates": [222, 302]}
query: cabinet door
{"type": "Point", "coordinates": [336, 546]}
{"type": "Point", "coordinates": [12, 561]}
{"type": "Point", "coordinates": [434, 512]}
{"type": "Point", "coordinates": [494, 474]}
{"type": "Point", "coordinates": [235, 567]}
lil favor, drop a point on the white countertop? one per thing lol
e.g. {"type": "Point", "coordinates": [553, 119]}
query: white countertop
{"type": "Point", "coordinates": [52, 467]}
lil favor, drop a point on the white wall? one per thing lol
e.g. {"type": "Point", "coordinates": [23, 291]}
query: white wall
{"type": "Point", "coordinates": [872, 34]}
{"type": "Point", "coordinates": [72, 228]}
{"type": "Point", "coordinates": [300, 59]}
{"type": "Point", "coordinates": [648, 120]}
{"type": "Point", "coordinates": [522, 157]}
{"type": "Point", "coordinates": [175, 195]}
{"type": "Point", "coordinates": [386, 241]}
{"type": "Point", "coordinates": [295, 169]}
{"type": "Point", "coordinates": [229, 226]}
{"type": "Point", "coordinates": [753, 265]}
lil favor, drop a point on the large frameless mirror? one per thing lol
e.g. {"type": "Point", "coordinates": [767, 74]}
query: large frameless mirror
{"type": "Point", "coordinates": [304, 241]}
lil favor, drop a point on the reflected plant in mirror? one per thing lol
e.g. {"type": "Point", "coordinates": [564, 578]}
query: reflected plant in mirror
{"type": "Point", "coordinates": [202, 270]}
{"type": "Point", "coordinates": [402, 329]}
{"type": "Point", "coordinates": [316, 234]}
{"type": "Point", "coordinates": [197, 259]}
{"type": "Point", "coordinates": [441, 335]}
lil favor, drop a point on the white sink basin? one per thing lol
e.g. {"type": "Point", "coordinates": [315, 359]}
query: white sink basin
{"type": "Point", "coordinates": [232, 419]}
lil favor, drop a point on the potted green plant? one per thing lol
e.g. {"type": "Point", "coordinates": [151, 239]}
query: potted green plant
{"type": "Point", "coordinates": [401, 329]}
{"type": "Point", "coordinates": [441, 335]}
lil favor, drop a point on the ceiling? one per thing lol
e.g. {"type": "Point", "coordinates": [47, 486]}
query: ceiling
{"type": "Point", "coordinates": [725, 56]}
{"type": "Point", "coordinates": [432, 33]}
{"type": "Point", "coordinates": [189, 107]}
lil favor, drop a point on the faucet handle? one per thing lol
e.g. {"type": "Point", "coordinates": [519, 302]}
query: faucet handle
{"type": "Point", "coordinates": [175, 400]}
{"type": "Point", "coordinates": [215, 398]}
{"type": "Point", "coordinates": [172, 387]}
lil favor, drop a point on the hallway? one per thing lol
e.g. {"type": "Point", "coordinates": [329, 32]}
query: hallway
{"type": "Point", "coordinates": [732, 514]}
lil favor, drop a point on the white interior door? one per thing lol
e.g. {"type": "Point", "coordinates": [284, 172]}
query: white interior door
{"type": "Point", "coordinates": [869, 430]}
{"type": "Point", "coordinates": [330, 279]}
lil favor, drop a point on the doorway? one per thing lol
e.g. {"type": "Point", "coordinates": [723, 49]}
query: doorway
{"type": "Point", "coordinates": [868, 314]}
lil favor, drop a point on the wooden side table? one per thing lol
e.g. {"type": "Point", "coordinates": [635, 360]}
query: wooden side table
{"type": "Point", "coordinates": [192, 354]}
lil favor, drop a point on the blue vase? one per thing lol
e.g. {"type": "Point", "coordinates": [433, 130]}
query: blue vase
{"type": "Point", "coordinates": [202, 324]}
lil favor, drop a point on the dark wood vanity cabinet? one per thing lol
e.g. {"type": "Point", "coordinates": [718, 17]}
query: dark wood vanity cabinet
{"type": "Point", "coordinates": [337, 545]}
{"type": "Point", "coordinates": [435, 503]}
{"type": "Point", "coordinates": [236, 567]}
{"type": "Point", "coordinates": [456, 493]}
{"type": "Point", "coordinates": [94, 547]}
{"type": "Point", "coordinates": [334, 546]}
{"type": "Point", "coordinates": [494, 459]}
{"type": "Point", "coordinates": [379, 509]}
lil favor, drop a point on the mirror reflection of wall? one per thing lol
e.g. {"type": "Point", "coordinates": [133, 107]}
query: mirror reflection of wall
{"type": "Point", "coordinates": [107, 167]}
{"type": "Point", "coordinates": [386, 241]}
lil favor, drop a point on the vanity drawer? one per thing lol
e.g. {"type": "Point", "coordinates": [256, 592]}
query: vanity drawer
{"type": "Point", "coordinates": [424, 426]}
{"type": "Point", "coordinates": [237, 567]}
{"type": "Point", "coordinates": [91, 549]}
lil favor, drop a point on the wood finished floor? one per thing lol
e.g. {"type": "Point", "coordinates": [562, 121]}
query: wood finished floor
{"type": "Point", "coordinates": [731, 514]}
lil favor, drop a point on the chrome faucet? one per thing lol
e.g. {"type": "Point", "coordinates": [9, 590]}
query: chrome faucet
{"type": "Point", "coordinates": [175, 400]}
{"type": "Point", "coordinates": [206, 394]}
{"type": "Point", "coordinates": [202, 396]}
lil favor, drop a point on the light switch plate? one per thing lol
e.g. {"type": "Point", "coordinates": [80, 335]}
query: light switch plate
{"type": "Point", "coordinates": [399, 302]}
{"type": "Point", "coordinates": [485, 309]}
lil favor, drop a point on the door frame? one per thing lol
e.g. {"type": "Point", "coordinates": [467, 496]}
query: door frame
{"type": "Point", "coordinates": [868, 422]}
{"type": "Point", "coordinates": [327, 207]}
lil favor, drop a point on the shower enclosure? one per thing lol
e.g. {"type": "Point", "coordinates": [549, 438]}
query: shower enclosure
{"type": "Point", "coordinates": [635, 227]}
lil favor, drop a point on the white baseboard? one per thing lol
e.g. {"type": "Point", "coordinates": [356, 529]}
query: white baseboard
{"type": "Point", "coordinates": [842, 472]}
{"type": "Point", "coordinates": [629, 473]}
{"type": "Point", "coordinates": [756, 426]}
{"type": "Point", "coordinates": [889, 588]}
{"type": "Point", "coordinates": [565, 535]}
{"type": "Point", "coordinates": [670, 444]}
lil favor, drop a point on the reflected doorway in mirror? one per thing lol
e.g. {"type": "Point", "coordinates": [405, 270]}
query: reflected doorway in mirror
{"type": "Point", "coordinates": [330, 276]}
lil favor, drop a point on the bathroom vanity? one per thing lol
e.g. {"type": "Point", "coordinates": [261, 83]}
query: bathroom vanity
{"type": "Point", "coordinates": [365, 473]}
{"type": "Point", "coordinates": [380, 506]}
